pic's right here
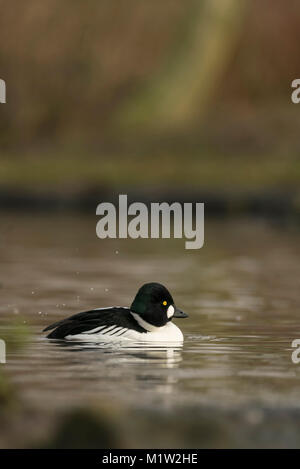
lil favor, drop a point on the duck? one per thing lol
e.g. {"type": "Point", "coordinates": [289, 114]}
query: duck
{"type": "Point", "coordinates": [148, 319]}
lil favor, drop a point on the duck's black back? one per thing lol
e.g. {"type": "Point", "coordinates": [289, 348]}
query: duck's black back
{"type": "Point", "coordinates": [88, 320]}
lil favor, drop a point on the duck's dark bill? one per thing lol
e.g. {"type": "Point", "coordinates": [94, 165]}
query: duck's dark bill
{"type": "Point", "coordinates": [180, 314]}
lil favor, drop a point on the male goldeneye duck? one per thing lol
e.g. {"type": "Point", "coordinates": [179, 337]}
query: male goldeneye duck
{"type": "Point", "coordinates": [149, 319]}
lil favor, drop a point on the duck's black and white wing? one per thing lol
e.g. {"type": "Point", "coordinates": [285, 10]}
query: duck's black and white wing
{"type": "Point", "coordinates": [114, 321]}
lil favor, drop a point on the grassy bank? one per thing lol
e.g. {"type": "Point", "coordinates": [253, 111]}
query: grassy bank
{"type": "Point", "coordinates": [227, 183]}
{"type": "Point", "coordinates": [199, 169]}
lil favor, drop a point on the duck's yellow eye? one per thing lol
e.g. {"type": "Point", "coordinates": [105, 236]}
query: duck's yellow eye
{"type": "Point", "coordinates": [165, 303]}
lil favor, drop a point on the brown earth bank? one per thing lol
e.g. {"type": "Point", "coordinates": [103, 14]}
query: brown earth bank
{"type": "Point", "coordinates": [274, 203]}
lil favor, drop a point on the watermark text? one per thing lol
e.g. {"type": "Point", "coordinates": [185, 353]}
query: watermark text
{"type": "Point", "coordinates": [2, 91]}
{"type": "Point", "coordinates": [160, 220]}
{"type": "Point", "coordinates": [296, 353]}
{"type": "Point", "coordinates": [2, 351]}
{"type": "Point", "coordinates": [295, 96]}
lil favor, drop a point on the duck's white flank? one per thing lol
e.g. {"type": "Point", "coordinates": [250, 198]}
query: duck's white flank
{"type": "Point", "coordinates": [168, 333]}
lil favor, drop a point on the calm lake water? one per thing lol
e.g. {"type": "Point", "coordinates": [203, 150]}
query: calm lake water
{"type": "Point", "coordinates": [241, 292]}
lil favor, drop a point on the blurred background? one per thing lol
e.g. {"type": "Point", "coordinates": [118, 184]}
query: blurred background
{"type": "Point", "coordinates": [191, 95]}
{"type": "Point", "coordinates": [169, 101]}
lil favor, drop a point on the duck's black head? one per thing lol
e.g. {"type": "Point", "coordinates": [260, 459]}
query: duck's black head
{"type": "Point", "coordinates": [155, 305]}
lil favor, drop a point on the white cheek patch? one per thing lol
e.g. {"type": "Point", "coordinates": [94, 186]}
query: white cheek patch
{"type": "Point", "coordinates": [170, 311]}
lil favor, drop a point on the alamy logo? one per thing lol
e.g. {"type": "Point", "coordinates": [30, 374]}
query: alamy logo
{"type": "Point", "coordinates": [295, 97]}
{"type": "Point", "coordinates": [185, 221]}
{"type": "Point", "coordinates": [2, 351]}
{"type": "Point", "coordinates": [2, 92]}
{"type": "Point", "coordinates": [296, 353]}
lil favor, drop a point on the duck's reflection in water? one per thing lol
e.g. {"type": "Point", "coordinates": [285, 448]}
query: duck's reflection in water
{"type": "Point", "coordinates": [165, 355]}
{"type": "Point", "coordinates": [155, 362]}
{"type": "Point", "coordinates": [144, 364]}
